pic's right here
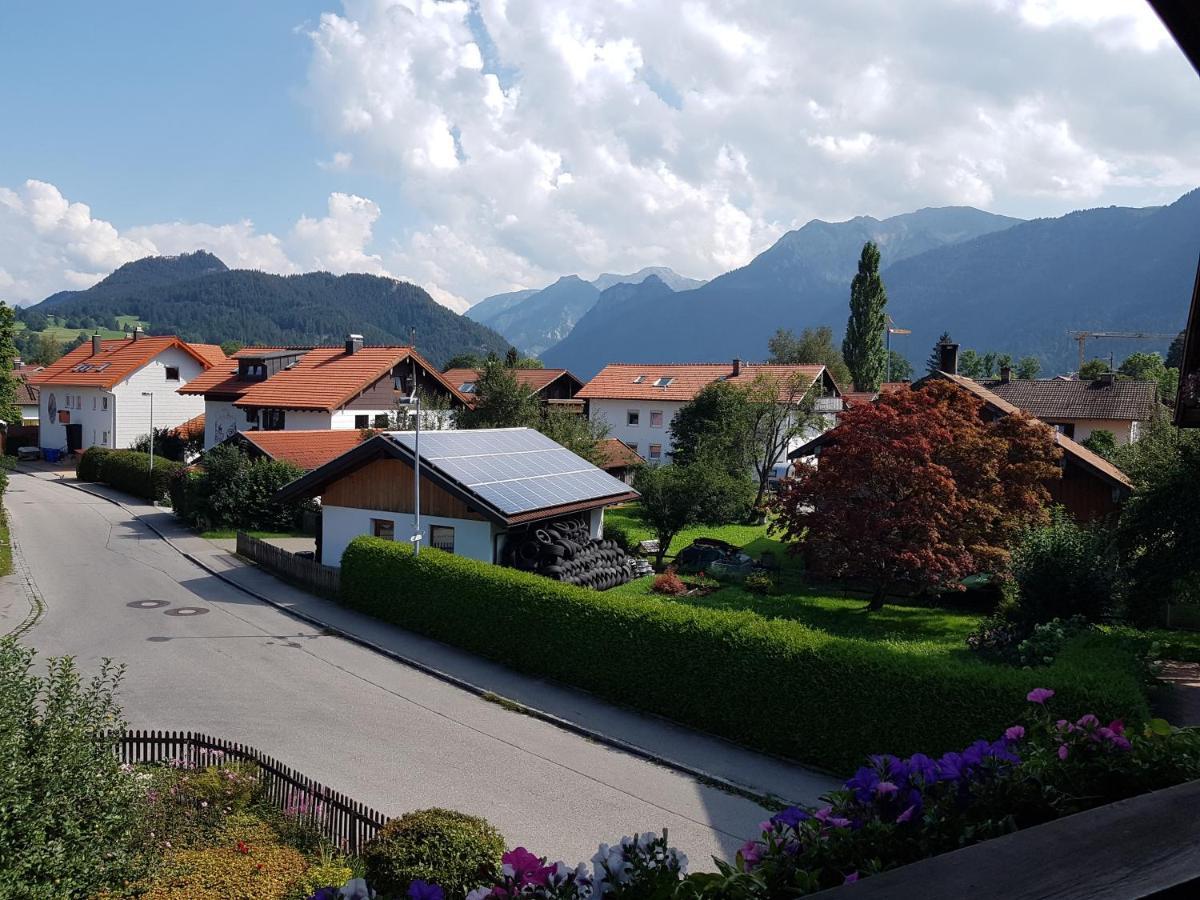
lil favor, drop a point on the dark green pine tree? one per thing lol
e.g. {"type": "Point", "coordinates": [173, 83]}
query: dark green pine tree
{"type": "Point", "coordinates": [512, 358]}
{"type": "Point", "coordinates": [863, 346]}
{"type": "Point", "coordinates": [934, 363]}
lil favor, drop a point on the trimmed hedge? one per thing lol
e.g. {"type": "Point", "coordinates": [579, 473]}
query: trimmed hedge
{"type": "Point", "coordinates": [129, 471]}
{"type": "Point", "coordinates": [773, 684]}
{"type": "Point", "coordinates": [456, 851]}
{"type": "Point", "coordinates": [91, 465]}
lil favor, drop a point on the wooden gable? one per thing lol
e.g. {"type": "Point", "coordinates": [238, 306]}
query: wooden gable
{"type": "Point", "coordinates": [387, 485]}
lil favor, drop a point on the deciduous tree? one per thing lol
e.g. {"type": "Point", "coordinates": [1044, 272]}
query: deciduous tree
{"type": "Point", "coordinates": [716, 421]}
{"type": "Point", "coordinates": [10, 410]}
{"type": "Point", "coordinates": [779, 411]}
{"type": "Point", "coordinates": [917, 489]}
{"type": "Point", "coordinates": [813, 347]}
{"type": "Point", "coordinates": [863, 347]}
{"type": "Point", "coordinates": [500, 401]}
{"type": "Point", "coordinates": [1028, 367]}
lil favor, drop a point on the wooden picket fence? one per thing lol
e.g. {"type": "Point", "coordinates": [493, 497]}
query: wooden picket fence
{"type": "Point", "coordinates": [345, 822]}
{"type": "Point", "coordinates": [325, 581]}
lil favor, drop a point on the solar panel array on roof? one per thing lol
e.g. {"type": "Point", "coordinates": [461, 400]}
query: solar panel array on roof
{"type": "Point", "coordinates": [515, 470]}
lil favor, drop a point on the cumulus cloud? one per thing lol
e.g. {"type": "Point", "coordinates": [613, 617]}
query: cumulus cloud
{"type": "Point", "coordinates": [535, 138]}
{"type": "Point", "coordinates": [48, 243]}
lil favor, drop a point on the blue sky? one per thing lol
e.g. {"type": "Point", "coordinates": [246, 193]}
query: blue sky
{"type": "Point", "coordinates": [474, 146]}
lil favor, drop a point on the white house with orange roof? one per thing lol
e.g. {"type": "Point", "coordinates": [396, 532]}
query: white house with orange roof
{"type": "Point", "coordinates": [102, 392]}
{"type": "Point", "coordinates": [639, 400]}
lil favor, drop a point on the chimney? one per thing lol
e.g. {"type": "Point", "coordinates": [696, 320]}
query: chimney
{"type": "Point", "coordinates": [354, 343]}
{"type": "Point", "coordinates": [948, 357]}
{"type": "Point", "coordinates": [737, 367]}
{"type": "Point", "coordinates": [97, 344]}
{"type": "Point", "coordinates": [1108, 379]}
{"type": "Point", "coordinates": [1005, 374]}
{"type": "Point", "coordinates": [137, 333]}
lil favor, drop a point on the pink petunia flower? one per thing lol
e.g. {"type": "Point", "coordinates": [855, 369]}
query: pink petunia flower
{"type": "Point", "coordinates": [1015, 733]}
{"type": "Point", "coordinates": [1063, 751]}
{"type": "Point", "coordinates": [1039, 695]}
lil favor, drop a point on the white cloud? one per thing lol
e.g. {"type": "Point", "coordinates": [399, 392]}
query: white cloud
{"type": "Point", "coordinates": [48, 243]}
{"type": "Point", "coordinates": [339, 162]}
{"type": "Point", "coordinates": [602, 135]}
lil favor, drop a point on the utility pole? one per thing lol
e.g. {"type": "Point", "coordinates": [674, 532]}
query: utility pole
{"type": "Point", "coordinates": [415, 401]}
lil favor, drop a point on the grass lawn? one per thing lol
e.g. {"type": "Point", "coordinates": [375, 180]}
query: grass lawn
{"type": "Point", "coordinates": [65, 335]}
{"type": "Point", "coordinates": [5, 545]}
{"type": "Point", "coordinates": [220, 534]}
{"type": "Point", "coordinates": [753, 538]}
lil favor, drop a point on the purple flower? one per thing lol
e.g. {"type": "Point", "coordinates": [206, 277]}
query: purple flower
{"type": "Point", "coordinates": [950, 767]}
{"type": "Point", "coordinates": [907, 815]}
{"type": "Point", "coordinates": [886, 789]}
{"type": "Point", "coordinates": [790, 817]}
{"type": "Point", "coordinates": [752, 852]}
{"type": "Point", "coordinates": [923, 767]}
{"type": "Point", "coordinates": [1088, 721]}
{"type": "Point", "coordinates": [863, 784]}
{"type": "Point", "coordinates": [1063, 751]}
{"type": "Point", "coordinates": [526, 868]}
{"type": "Point", "coordinates": [851, 878]}
{"type": "Point", "coordinates": [419, 889]}
{"type": "Point", "coordinates": [325, 893]}
{"type": "Point", "coordinates": [1039, 695]}
{"type": "Point", "coordinates": [1015, 733]}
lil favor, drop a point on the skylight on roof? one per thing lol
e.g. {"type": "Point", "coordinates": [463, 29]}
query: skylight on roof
{"type": "Point", "coordinates": [83, 367]}
{"type": "Point", "coordinates": [467, 387]}
{"type": "Point", "coordinates": [639, 379]}
{"type": "Point", "coordinates": [663, 382]}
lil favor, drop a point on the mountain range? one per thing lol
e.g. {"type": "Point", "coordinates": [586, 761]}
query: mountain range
{"type": "Point", "coordinates": [994, 282]}
{"type": "Point", "coordinates": [535, 320]}
{"type": "Point", "coordinates": [198, 297]}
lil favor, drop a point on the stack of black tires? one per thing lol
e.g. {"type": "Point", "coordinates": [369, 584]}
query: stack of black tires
{"type": "Point", "coordinates": [564, 550]}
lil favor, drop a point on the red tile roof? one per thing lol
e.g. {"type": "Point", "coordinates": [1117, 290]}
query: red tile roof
{"type": "Point", "coordinates": [306, 449]}
{"type": "Point", "coordinates": [326, 378]}
{"type": "Point", "coordinates": [222, 379]}
{"type": "Point", "coordinates": [636, 381]}
{"type": "Point", "coordinates": [117, 360]}
{"type": "Point", "coordinates": [192, 428]}
{"type": "Point", "coordinates": [1055, 399]}
{"type": "Point", "coordinates": [535, 379]}
{"type": "Point", "coordinates": [615, 454]}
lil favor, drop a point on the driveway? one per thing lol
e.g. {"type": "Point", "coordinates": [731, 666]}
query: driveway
{"type": "Point", "coordinates": [204, 656]}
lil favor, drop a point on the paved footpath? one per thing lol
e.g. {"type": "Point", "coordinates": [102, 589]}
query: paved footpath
{"type": "Point", "coordinates": [204, 655]}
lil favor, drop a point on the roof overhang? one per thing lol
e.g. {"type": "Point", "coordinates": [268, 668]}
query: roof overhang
{"type": "Point", "coordinates": [383, 447]}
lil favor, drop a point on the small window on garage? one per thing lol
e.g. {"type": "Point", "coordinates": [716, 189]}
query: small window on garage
{"type": "Point", "coordinates": [361, 421]}
{"type": "Point", "coordinates": [381, 420]}
{"type": "Point", "coordinates": [383, 528]}
{"type": "Point", "coordinates": [441, 537]}
{"type": "Point", "coordinates": [172, 373]}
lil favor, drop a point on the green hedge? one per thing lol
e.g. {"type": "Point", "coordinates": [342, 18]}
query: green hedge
{"type": "Point", "coordinates": [91, 464]}
{"type": "Point", "coordinates": [129, 471]}
{"type": "Point", "coordinates": [769, 683]}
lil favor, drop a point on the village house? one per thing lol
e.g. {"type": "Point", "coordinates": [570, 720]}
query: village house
{"type": "Point", "coordinates": [1079, 408]}
{"type": "Point", "coordinates": [479, 490]}
{"type": "Point", "coordinates": [639, 401]}
{"type": "Point", "coordinates": [618, 460]}
{"type": "Point", "coordinates": [554, 387]}
{"type": "Point", "coordinates": [321, 388]}
{"type": "Point", "coordinates": [105, 392]}
{"type": "Point", "coordinates": [307, 450]}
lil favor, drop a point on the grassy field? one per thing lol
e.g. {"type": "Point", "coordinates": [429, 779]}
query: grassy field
{"type": "Point", "coordinates": [752, 538]}
{"type": "Point", "coordinates": [228, 534]}
{"type": "Point", "coordinates": [62, 333]}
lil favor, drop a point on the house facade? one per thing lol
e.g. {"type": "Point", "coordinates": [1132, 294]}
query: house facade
{"type": "Point", "coordinates": [640, 401]}
{"type": "Point", "coordinates": [1078, 409]}
{"type": "Point", "coordinates": [350, 387]}
{"type": "Point", "coordinates": [479, 490]}
{"type": "Point", "coordinates": [554, 387]}
{"type": "Point", "coordinates": [102, 392]}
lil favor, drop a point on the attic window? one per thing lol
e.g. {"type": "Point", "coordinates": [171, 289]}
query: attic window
{"type": "Point", "coordinates": [83, 367]}
{"type": "Point", "coordinates": [663, 382]}
{"type": "Point", "coordinates": [101, 367]}
{"type": "Point", "coordinates": [467, 387]}
{"type": "Point", "coordinates": [639, 379]}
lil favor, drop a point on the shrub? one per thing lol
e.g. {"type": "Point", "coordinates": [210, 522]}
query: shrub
{"type": "Point", "coordinates": [793, 690]}
{"type": "Point", "coordinates": [668, 583]}
{"type": "Point", "coordinates": [759, 583]}
{"type": "Point", "coordinates": [234, 491]}
{"type": "Point", "coordinates": [91, 465]}
{"type": "Point", "coordinates": [1063, 569]}
{"type": "Point", "coordinates": [448, 848]}
{"type": "Point", "coordinates": [620, 535]}
{"type": "Point", "coordinates": [129, 471]}
{"type": "Point", "coordinates": [229, 786]}
{"type": "Point", "coordinates": [69, 816]}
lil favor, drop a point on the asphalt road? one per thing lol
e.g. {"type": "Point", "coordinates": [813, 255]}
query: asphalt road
{"type": "Point", "coordinates": [375, 729]}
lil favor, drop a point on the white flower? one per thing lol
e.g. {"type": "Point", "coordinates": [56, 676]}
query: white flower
{"type": "Point", "coordinates": [356, 889]}
{"type": "Point", "coordinates": [479, 893]}
{"type": "Point", "coordinates": [507, 870]}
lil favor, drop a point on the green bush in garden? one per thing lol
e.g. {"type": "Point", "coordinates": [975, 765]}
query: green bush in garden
{"type": "Point", "coordinates": [1063, 569]}
{"type": "Point", "coordinates": [70, 819]}
{"type": "Point", "coordinates": [129, 471]}
{"type": "Point", "coordinates": [231, 490]}
{"type": "Point", "coordinates": [91, 464]}
{"type": "Point", "coordinates": [773, 684]}
{"type": "Point", "coordinates": [439, 846]}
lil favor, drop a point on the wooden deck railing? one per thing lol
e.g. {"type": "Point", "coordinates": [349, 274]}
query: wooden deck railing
{"type": "Point", "coordinates": [340, 819]}
{"type": "Point", "coordinates": [325, 581]}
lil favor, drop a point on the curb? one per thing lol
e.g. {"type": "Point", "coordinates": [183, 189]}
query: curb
{"type": "Point", "coordinates": [767, 801]}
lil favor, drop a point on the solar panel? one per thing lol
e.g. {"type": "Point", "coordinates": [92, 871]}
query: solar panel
{"type": "Point", "coordinates": [516, 470]}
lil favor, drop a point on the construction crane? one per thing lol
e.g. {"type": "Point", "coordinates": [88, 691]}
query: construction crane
{"type": "Point", "coordinates": [1081, 338]}
{"type": "Point", "coordinates": [891, 329]}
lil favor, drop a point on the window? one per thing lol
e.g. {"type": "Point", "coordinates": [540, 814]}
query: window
{"type": "Point", "coordinates": [663, 382]}
{"type": "Point", "coordinates": [441, 537]}
{"type": "Point", "coordinates": [383, 528]}
{"type": "Point", "coordinates": [252, 416]}
{"type": "Point", "coordinates": [467, 387]}
{"type": "Point", "coordinates": [655, 419]}
{"type": "Point", "coordinates": [104, 438]}
{"type": "Point", "coordinates": [656, 451]}
{"type": "Point", "coordinates": [273, 420]}
{"type": "Point", "coordinates": [381, 420]}
{"type": "Point", "coordinates": [172, 373]}
{"type": "Point", "coordinates": [104, 403]}
{"type": "Point", "coordinates": [632, 445]}
{"type": "Point", "coordinates": [93, 407]}
{"type": "Point", "coordinates": [1066, 428]}
{"type": "Point", "coordinates": [361, 421]}
{"type": "Point", "coordinates": [639, 379]}
{"type": "Point", "coordinates": [631, 417]}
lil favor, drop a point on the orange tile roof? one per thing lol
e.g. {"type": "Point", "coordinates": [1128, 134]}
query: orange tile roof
{"type": "Point", "coordinates": [117, 360]}
{"type": "Point", "coordinates": [221, 379]}
{"type": "Point", "coordinates": [192, 428]}
{"type": "Point", "coordinates": [619, 381]}
{"type": "Point", "coordinates": [327, 378]}
{"type": "Point", "coordinates": [306, 449]}
{"type": "Point", "coordinates": [535, 379]}
{"type": "Point", "coordinates": [615, 454]}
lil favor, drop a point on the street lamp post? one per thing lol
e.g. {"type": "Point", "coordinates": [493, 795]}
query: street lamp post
{"type": "Point", "coordinates": [150, 394]}
{"type": "Point", "coordinates": [891, 329]}
{"type": "Point", "coordinates": [414, 402]}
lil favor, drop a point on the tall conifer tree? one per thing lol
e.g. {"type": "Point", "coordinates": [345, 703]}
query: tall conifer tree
{"type": "Point", "coordinates": [863, 347]}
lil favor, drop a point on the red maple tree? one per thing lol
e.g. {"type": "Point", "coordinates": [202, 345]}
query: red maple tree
{"type": "Point", "coordinates": [917, 489]}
